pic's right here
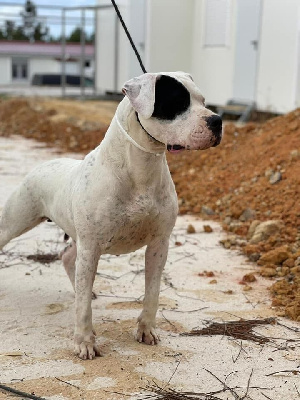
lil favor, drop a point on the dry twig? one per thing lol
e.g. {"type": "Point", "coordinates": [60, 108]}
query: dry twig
{"type": "Point", "coordinates": [241, 329]}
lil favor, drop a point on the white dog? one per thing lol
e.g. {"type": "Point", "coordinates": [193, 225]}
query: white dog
{"type": "Point", "coordinates": [121, 196]}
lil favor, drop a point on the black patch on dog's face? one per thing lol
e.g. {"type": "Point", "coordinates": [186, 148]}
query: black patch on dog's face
{"type": "Point", "coordinates": [171, 98]}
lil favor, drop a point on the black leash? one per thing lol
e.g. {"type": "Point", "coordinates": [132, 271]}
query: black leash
{"type": "Point", "coordinates": [129, 37]}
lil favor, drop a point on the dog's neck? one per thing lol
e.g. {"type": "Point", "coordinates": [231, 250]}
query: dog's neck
{"type": "Point", "coordinates": [133, 130]}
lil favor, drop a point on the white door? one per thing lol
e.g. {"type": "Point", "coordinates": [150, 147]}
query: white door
{"type": "Point", "coordinates": [247, 45]}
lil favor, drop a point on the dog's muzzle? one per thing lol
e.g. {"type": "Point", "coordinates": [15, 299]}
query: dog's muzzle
{"type": "Point", "coordinates": [214, 124]}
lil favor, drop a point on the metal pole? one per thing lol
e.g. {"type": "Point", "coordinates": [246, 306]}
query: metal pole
{"type": "Point", "coordinates": [95, 50]}
{"type": "Point", "coordinates": [63, 53]}
{"type": "Point", "coordinates": [116, 66]}
{"type": "Point", "coordinates": [82, 54]}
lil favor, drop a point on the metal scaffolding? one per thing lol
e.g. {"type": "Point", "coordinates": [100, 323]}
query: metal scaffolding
{"type": "Point", "coordinates": [63, 19]}
{"type": "Point", "coordinates": [83, 10]}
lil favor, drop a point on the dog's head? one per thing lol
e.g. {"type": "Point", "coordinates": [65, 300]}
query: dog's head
{"type": "Point", "coordinates": [171, 109]}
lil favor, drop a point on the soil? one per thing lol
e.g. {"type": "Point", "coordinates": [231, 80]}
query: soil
{"type": "Point", "coordinates": [253, 176]}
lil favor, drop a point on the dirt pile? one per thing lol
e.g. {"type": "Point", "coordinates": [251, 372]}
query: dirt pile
{"type": "Point", "coordinates": [251, 182]}
{"type": "Point", "coordinates": [30, 119]}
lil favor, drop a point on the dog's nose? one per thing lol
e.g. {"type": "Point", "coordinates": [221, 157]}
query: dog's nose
{"type": "Point", "coordinates": [214, 123]}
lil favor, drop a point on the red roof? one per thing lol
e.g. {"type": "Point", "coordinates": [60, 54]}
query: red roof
{"type": "Point", "coordinates": [43, 49]}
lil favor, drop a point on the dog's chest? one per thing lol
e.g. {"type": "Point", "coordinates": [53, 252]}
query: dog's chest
{"type": "Point", "coordinates": [139, 221]}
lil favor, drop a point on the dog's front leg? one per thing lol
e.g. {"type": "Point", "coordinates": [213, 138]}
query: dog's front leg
{"type": "Point", "coordinates": [86, 267]}
{"type": "Point", "coordinates": [155, 259]}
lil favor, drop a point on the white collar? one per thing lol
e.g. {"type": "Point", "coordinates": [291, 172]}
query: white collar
{"type": "Point", "coordinates": [134, 142]}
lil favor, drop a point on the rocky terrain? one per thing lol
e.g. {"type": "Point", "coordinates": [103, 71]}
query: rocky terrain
{"type": "Point", "coordinates": [250, 183]}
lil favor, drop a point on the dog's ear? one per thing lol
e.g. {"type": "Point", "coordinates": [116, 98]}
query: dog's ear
{"type": "Point", "coordinates": [141, 93]}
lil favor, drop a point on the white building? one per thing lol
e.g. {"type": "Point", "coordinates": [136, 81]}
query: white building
{"type": "Point", "coordinates": [234, 49]}
{"type": "Point", "coordinates": [20, 61]}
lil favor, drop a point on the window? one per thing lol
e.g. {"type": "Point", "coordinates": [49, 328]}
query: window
{"type": "Point", "coordinates": [19, 68]}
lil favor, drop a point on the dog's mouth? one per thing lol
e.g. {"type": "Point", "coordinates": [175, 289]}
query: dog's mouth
{"type": "Point", "coordinates": [175, 148]}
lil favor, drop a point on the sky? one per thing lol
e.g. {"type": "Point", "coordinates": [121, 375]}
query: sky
{"type": "Point", "coordinates": [51, 17]}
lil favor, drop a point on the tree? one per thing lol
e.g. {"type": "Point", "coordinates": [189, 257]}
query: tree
{"type": "Point", "coordinates": [31, 29]}
{"type": "Point", "coordinates": [75, 36]}
{"type": "Point", "coordinates": [40, 32]}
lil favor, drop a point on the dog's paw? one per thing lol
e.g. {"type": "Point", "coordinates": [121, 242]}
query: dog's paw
{"type": "Point", "coordinates": [147, 334]}
{"type": "Point", "coordinates": [85, 347]}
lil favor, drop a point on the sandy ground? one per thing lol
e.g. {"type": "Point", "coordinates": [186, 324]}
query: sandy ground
{"type": "Point", "coordinates": [201, 284]}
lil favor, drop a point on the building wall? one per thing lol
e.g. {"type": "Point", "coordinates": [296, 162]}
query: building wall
{"type": "Point", "coordinates": [5, 68]}
{"type": "Point", "coordinates": [279, 56]}
{"type": "Point", "coordinates": [43, 66]}
{"type": "Point", "coordinates": [177, 39]}
{"type": "Point", "coordinates": [169, 35]}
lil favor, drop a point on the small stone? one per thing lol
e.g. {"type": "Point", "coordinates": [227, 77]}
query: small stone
{"type": "Point", "coordinates": [268, 272]}
{"type": "Point", "coordinates": [207, 228]}
{"type": "Point", "coordinates": [262, 231]}
{"type": "Point", "coordinates": [275, 177]}
{"type": "Point", "coordinates": [276, 256]}
{"type": "Point", "coordinates": [254, 257]}
{"type": "Point", "coordinates": [295, 154]}
{"type": "Point", "coordinates": [249, 278]}
{"type": "Point", "coordinates": [191, 229]}
{"type": "Point", "coordinates": [285, 271]}
{"type": "Point", "coordinates": [213, 281]}
{"type": "Point", "coordinates": [227, 244]}
{"type": "Point", "coordinates": [227, 220]}
{"type": "Point", "coordinates": [247, 215]}
{"type": "Point", "coordinates": [252, 228]}
{"type": "Point", "coordinates": [269, 172]}
{"type": "Point", "coordinates": [289, 263]}
{"type": "Point", "coordinates": [246, 288]}
{"type": "Point", "coordinates": [207, 210]}
{"type": "Point", "coordinates": [295, 270]}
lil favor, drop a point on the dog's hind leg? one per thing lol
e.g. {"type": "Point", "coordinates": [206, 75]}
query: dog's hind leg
{"type": "Point", "coordinates": [68, 257]}
{"type": "Point", "coordinates": [20, 214]}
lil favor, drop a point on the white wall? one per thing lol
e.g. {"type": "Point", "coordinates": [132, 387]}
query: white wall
{"type": "Point", "coordinates": [42, 66]}
{"type": "Point", "coordinates": [5, 68]}
{"type": "Point", "coordinates": [169, 35]}
{"type": "Point", "coordinates": [277, 73]}
{"type": "Point", "coordinates": [213, 67]}
{"type": "Point", "coordinates": [176, 40]}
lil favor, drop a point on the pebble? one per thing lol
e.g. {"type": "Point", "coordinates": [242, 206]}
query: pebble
{"type": "Point", "coordinates": [247, 215]}
{"type": "Point", "coordinates": [191, 229]}
{"type": "Point", "coordinates": [207, 210]}
{"type": "Point", "coordinates": [268, 272]}
{"type": "Point", "coordinates": [207, 228]}
{"type": "Point", "coordinates": [275, 177]}
{"type": "Point", "coordinates": [260, 231]}
{"type": "Point", "coordinates": [276, 256]}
